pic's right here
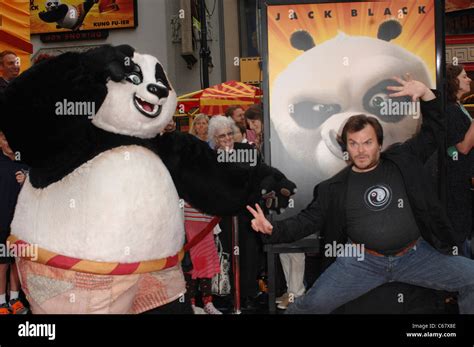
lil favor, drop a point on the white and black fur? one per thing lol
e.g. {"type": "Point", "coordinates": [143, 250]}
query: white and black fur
{"type": "Point", "coordinates": [121, 205]}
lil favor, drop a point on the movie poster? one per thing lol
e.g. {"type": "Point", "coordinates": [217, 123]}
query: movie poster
{"type": "Point", "coordinates": [50, 16]}
{"type": "Point", "coordinates": [329, 61]}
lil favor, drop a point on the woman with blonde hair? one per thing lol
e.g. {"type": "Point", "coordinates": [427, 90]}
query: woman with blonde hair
{"type": "Point", "coordinates": [199, 126]}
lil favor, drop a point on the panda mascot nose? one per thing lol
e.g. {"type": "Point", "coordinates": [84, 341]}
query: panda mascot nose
{"type": "Point", "coordinates": [159, 91]}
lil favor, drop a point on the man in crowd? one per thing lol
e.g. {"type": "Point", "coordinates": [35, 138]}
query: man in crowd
{"type": "Point", "coordinates": [9, 68]}
{"type": "Point", "coordinates": [237, 114]}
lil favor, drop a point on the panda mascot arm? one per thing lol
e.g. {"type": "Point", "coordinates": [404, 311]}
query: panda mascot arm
{"type": "Point", "coordinates": [221, 188]}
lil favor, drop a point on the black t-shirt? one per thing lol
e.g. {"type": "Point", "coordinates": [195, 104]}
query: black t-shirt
{"type": "Point", "coordinates": [379, 214]}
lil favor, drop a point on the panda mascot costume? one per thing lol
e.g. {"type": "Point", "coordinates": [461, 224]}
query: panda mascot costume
{"type": "Point", "coordinates": [101, 205]}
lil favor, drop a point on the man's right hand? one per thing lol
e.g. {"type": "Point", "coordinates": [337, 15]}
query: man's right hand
{"type": "Point", "coordinates": [260, 223]}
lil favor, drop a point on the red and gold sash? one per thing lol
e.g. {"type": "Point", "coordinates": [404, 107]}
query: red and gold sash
{"type": "Point", "coordinates": [46, 257]}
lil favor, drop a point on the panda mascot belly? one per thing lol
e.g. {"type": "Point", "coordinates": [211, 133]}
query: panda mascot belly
{"type": "Point", "coordinates": [121, 206]}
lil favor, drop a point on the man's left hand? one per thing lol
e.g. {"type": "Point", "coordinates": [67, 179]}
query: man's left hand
{"type": "Point", "coordinates": [412, 88]}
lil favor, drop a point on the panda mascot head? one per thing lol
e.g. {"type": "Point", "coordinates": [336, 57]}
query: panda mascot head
{"type": "Point", "coordinates": [142, 104]}
{"type": "Point", "coordinates": [313, 97]}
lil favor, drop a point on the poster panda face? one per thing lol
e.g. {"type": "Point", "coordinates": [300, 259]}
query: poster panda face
{"type": "Point", "coordinates": [52, 4]}
{"type": "Point", "coordinates": [323, 87]}
{"type": "Point", "coordinates": [142, 104]}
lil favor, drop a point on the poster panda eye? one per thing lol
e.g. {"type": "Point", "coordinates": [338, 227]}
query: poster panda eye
{"type": "Point", "coordinates": [322, 108]}
{"type": "Point", "coordinates": [311, 114]}
{"type": "Point", "coordinates": [134, 78]}
{"type": "Point", "coordinates": [378, 100]}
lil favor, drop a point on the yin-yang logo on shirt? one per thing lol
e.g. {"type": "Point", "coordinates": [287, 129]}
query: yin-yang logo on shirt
{"type": "Point", "coordinates": [378, 197]}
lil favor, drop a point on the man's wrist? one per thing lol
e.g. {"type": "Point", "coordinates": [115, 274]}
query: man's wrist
{"type": "Point", "coordinates": [428, 96]}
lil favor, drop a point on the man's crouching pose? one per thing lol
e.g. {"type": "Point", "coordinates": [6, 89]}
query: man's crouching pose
{"type": "Point", "coordinates": [383, 201]}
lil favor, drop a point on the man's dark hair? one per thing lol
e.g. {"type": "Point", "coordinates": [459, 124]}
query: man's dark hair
{"type": "Point", "coordinates": [5, 53]}
{"type": "Point", "coordinates": [230, 110]}
{"type": "Point", "coordinates": [242, 129]}
{"type": "Point", "coordinates": [357, 123]}
{"type": "Point", "coordinates": [254, 112]}
{"type": "Point", "coordinates": [452, 82]}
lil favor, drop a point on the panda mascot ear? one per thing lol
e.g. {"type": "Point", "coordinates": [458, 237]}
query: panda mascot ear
{"type": "Point", "coordinates": [109, 62]}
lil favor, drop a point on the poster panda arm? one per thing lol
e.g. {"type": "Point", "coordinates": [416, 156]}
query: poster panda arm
{"type": "Point", "coordinates": [54, 15]}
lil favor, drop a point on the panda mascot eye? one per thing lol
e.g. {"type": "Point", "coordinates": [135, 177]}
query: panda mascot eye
{"type": "Point", "coordinates": [134, 78]}
{"type": "Point", "coordinates": [311, 114]}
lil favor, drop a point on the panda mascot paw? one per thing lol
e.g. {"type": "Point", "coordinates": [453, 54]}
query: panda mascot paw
{"type": "Point", "coordinates": [102, 199]}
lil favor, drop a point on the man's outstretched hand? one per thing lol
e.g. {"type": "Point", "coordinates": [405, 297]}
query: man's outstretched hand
{"type": "Point", "coordinates": [260, 223]}
{"type": "Point", "coordinates": [412, 88]}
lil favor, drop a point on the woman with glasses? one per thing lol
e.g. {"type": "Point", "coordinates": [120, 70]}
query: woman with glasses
{"type": "Point", "coordinates": [221, 138]}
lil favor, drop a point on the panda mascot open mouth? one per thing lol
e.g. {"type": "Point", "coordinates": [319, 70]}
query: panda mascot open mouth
{"type": "Point", "coordinates": [102, 198]}
{"type": "Point", "coordinates": [146, 108]}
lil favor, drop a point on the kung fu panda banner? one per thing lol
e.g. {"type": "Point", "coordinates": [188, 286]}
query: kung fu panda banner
{"type": "Point", "coordinates": [50, 16]}
{"type": "Point", "coordinates": [325, 62]}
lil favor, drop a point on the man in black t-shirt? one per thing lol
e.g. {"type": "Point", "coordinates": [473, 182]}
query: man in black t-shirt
{"type": "Point", "coordinates": [380, 218]}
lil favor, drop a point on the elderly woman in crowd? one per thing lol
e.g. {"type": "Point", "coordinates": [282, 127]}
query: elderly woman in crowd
{"type": "Point", "coordinates": [221, 137]}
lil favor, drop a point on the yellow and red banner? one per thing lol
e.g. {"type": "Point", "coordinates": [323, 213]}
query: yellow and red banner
{"type": "Point", "coordinates": [216, 99]}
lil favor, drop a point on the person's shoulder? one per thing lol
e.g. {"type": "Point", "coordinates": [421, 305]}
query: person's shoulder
{"type": "Point", "coordinates": [242, 145]}
{"type": "Point", "coordinates": [340, 177]}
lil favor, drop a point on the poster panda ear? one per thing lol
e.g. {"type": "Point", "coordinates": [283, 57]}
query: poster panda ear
{"type": "Point", "coordinates": [389, 30]}
{"type": "Point", "coordinates": [302, 40]}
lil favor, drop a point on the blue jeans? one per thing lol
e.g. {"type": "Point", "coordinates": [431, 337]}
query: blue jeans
{"type": "Point", "coordinates": [347, 278]}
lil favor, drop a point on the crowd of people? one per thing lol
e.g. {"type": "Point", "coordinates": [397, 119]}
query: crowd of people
{"type": "Point", "coordinates": [12, 176]}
